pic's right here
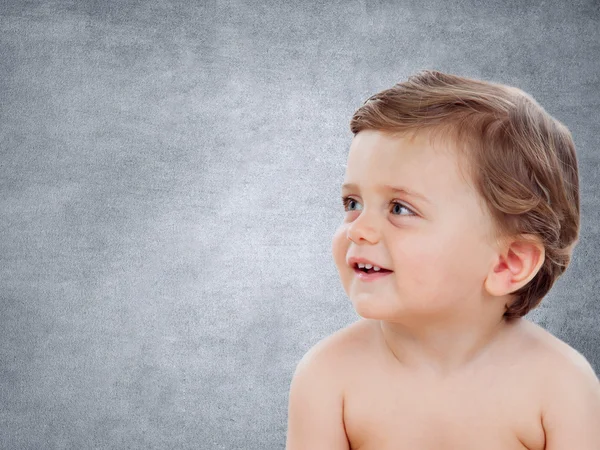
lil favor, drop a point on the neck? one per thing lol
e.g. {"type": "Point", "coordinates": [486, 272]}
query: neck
{"type": "Point", "coordinates": [444, 348]}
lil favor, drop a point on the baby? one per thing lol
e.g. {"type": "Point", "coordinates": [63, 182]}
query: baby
{"type": "Point", "coordinates": [461, 202]}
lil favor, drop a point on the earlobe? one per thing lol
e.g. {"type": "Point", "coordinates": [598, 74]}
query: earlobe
{"type": "Point", "coordinates": [497, 282]}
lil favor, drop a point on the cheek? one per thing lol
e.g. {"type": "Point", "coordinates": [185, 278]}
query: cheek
{"type": "Point", "coordinates": [420, 265]}
{"type": "Point", "coordinates": [446, 269]}
{"type": "Point", "coordinates": [429, 267]}
{"type": "Point", "coordinates": [339, 248]}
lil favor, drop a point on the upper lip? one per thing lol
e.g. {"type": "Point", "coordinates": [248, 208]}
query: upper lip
{"type": "Point", "coordinates": [352, 261]}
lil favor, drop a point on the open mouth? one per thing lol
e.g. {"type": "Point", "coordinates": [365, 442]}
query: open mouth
{"type": "Point", "coordinates": [365, 270]}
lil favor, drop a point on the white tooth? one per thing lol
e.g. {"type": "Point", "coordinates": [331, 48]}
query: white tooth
{"type": "Point", "coordinates": [361, 266]}
{"type": "Point", "coordinates": [368, 266]}
{"type": "Point", "coordinates": [376, 269]}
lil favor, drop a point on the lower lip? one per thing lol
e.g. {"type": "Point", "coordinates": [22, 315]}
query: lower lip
{"type": "Point", "coordinates": [370, 276]}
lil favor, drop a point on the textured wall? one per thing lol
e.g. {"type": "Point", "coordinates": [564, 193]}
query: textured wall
{"type": "Point", "coordinates": [170, 177]}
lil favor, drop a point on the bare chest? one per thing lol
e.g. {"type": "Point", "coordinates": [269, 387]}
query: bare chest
{"type": "Point", "coordinates": [390, 412]}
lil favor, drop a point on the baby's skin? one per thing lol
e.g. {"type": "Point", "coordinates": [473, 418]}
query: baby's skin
{"type": "Point", "coordinates": [495, 404]}
{"type": "Point", "coordinates": [363, 398]}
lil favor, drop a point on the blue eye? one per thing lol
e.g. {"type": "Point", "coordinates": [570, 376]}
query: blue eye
{"type": "Point", "coordinates": [346, 202]}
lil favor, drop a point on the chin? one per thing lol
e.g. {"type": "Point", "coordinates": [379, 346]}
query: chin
{"type": "Point", "coordinates": [376, 309]}
{"type": "Point", "coordinates": [391, 311]}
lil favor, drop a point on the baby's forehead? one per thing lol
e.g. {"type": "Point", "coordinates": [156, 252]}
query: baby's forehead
{"type": "Point", "coordinates": [431, 152]}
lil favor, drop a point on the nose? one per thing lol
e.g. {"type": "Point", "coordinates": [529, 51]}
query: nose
{"type": "Point", "coordinates": [362, 229]}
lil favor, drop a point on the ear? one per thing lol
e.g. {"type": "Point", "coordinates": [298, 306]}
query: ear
{"type": "Point", "coordinates": [518, 262]}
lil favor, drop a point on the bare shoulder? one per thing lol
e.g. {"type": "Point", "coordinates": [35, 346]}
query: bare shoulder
{"type": "Point", "coordinates": [316, 400]}
{"type": "Point", "coordinates": [568, 380]}
{"type": "Point", "coordinates": [555, 358]}
{"type": "Point", "coordinates": [570, 407]}
{"type": "Point", "coordinates": [342, 346]}
{"type": "Point", "coordinates": [339, 355]}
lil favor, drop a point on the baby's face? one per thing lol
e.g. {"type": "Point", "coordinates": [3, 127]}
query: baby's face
{"type": "Point", "coordinates": [437, 248]}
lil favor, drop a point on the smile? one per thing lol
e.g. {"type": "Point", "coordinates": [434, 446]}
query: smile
{"type": "Point", "coordinates": [372, 276]}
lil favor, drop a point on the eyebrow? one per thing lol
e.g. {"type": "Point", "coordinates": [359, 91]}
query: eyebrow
{"type": "Point", "coordinates": [391, 188]}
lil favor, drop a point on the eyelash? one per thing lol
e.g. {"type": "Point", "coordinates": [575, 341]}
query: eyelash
{"type": "Point", "coordinates": [346, 199]}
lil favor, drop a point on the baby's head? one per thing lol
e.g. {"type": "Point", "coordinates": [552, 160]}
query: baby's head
{"type": "Point", "coordinates": [501, 217]}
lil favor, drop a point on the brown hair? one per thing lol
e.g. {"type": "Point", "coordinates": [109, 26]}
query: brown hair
{"type": "Point", "coordinates": [521, 160]}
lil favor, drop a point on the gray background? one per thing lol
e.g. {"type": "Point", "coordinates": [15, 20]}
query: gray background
{"type": "Point", "coordinates": [170, 176]}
